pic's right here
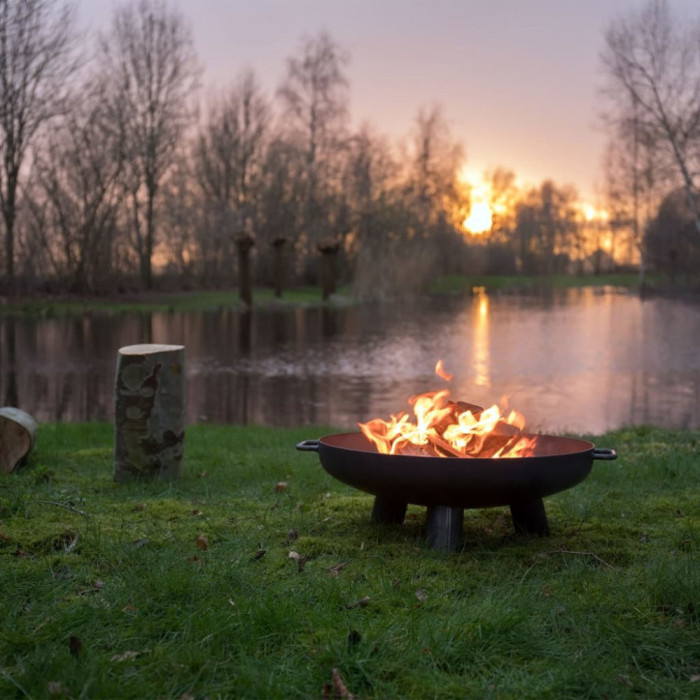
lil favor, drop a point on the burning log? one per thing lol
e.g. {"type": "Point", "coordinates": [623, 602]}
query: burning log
{"type": "Point", "coordinates": [446, 428]}
{"type": "Point", "coordinates": [149, 416]}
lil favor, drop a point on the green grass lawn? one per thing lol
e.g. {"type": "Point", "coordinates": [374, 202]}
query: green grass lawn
{"type": "Point", "coordinates": [208, 300]}
{"type": "Point", "coordinates": [163, 302]}
{"type": "Point", "coordinates": [256, 575]}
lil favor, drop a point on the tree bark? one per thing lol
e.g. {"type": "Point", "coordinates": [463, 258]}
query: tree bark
{"type": "Point", "coordinates": [17, 437]}
{"type": "Point", "coordinates": [149, 416]}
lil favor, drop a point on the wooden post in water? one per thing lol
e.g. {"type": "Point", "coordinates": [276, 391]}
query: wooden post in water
{"type": "Point", "coordinates": [244, 242]}
{"type": "Point", "coordinates": [149, 415]}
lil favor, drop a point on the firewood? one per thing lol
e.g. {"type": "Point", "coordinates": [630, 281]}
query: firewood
{"type": "Point", "coordinates": [149, 416]}
{"type": "Point", "coordinates": [17, 437]}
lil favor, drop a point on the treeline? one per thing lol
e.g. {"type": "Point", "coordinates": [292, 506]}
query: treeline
{"type": "Point", "coordinates": [114, 176]}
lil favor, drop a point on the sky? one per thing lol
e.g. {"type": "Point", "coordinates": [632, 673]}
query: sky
{"type": "Point", "coordinates": [518, 80]}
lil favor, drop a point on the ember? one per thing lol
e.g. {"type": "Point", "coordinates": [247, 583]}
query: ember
{"type": "Point", "coordinates": [446, 428]}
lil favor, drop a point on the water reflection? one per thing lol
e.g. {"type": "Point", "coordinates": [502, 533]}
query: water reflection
{"type": "Point", "coordinates": [482, 357]}
{"type": "Point", "coordinates": [574, 360]}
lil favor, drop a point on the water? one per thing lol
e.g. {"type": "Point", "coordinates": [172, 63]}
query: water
{"type": "Point", "coordinates": [574, 360]}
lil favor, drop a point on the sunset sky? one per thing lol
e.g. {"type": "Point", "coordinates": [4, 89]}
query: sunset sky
{"type": "Point", "coordinates": [518, 80]}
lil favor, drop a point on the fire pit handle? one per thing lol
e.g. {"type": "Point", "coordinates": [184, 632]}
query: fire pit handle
{"type": "Point", "coordinates": [604, 453]}
{"type": "Point", "coordinates": [312, 446]}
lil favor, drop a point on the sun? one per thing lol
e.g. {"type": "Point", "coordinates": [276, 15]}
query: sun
{"type": "Point", "coordinates": [480, 219]}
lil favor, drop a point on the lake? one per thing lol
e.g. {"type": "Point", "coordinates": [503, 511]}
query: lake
{"type": "Point", "coordinates": [578, 360]}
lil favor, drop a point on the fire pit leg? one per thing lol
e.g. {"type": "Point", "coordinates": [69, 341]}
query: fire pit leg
{"type": "Point", "coordinates": [388, 511]}
{"type": "Point", "coordinates": [444, 527]}
{"type": "Point", "coordinates": [530, 517]}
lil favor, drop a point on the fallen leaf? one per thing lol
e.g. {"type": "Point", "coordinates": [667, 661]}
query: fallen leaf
{"type": "Point", "coordinates": [359, 603]}
{"type": "Point", "coordinates": [421, 595]}
{"type": "Point", "coordinates": [281, 486]}
{"type": "Point", "coordinates": [259, 554]}
{"type": "Point", "coordinates": [57, 688]}
{"type": "Point", "coordinates": [129, 609]}
{"type": "Point", "coordinates": [203, 542]}
{"type": "Point", "coordinates": [335, 570]}
{"type": "Point", "coordinates": [126, 656]}
{"type": "Point", "coordinates": [339, 688]}
{"type": "Point", "coordinates": [294, 555]}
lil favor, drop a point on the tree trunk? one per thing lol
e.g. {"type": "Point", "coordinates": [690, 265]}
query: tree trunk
{"type": "Point", "coordinates": [244, 242]}
{"type": "Point", "coordinates": [329, 252]}
{"type": "Point", "coordinates": [279, 245]}
{"type": "Point", "coordinates": [17, 437]}
{"type": "Point", "coordinates": [149, 416]}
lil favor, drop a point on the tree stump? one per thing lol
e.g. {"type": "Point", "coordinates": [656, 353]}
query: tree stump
{"type": "Point", "coordinates": [149, 416]}
{"type": "Point", "coordinates": [17, 437]}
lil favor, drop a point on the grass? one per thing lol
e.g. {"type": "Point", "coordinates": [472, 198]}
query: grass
{"type": "Point", "coordinates": [187, 590]}
{"type": "Point", "coordinates": [166, 302]}
{"type": "Point", "coordinates": [300, 296]}
{"type": "Point", "coordinates": [459, 284]}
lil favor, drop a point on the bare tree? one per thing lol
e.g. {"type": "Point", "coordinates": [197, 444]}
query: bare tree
{"type": "Point", "coordinates": [315, 108]}
{"type": "Point", "coordinates": [37, 59]}
{"type": "Point", "coordinates": [436, 161]}
{"type": "Point", "coordinates": [149, 60]}
{"type": "Point", "coordinates": [652, 61]}
{"type": "Point", "coordinates": [78, 192]}
{"type": "Point", "coordinates": [229, 159]}
{"type": "Point", "coordinates": [546, 228]}
{"type": "Point", "coordinates": [637, 174]}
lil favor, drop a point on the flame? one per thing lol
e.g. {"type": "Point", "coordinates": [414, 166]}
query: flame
{"type": "Point", "coordinates": [445, 428]}
{"type": "Point", "coordinates": [440, 371]}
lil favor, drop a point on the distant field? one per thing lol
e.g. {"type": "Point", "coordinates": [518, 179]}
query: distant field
{"type": "Point", "coordinates": [301, 296]}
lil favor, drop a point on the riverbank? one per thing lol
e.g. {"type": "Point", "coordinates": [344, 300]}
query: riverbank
{"type": "Point", "coordinates": [257, 575]}
{"type": "Point", "coordinates": [210, 300]}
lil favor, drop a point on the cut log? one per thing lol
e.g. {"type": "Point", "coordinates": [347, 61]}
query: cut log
{"type": "Point", "coordinates": [17, 437]}
{"type": "Point", "coordinates": [149, 415]}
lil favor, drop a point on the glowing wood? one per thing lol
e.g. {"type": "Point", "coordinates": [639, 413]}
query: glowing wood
{"type": "Point", "coordinates": [149, 416]}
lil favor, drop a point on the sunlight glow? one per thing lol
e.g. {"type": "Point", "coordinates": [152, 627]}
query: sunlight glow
{"type": "Point", "coordinates": [480, 218]}
{"type": "Point", "coordinates": [591, 213]}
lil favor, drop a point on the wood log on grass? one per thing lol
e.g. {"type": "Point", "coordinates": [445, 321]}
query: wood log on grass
{"type": "Point", "coordinates": [17, 437]}
{"type": "Point", "coordinates": [149, 415]}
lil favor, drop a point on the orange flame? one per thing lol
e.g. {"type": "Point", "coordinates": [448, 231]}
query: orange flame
{"type": "Point", "coordinates": [445, 428]}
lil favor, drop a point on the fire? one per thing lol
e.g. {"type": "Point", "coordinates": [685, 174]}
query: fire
{"type": "Point", "coordinates": [446, 428]}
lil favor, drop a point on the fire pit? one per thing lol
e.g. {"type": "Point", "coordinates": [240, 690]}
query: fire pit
{"type": "Point", "coordinates": [430, 464]}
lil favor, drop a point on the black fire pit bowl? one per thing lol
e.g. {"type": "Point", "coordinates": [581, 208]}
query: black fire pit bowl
{"type": "Point", "coordinates": [448, 485]}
